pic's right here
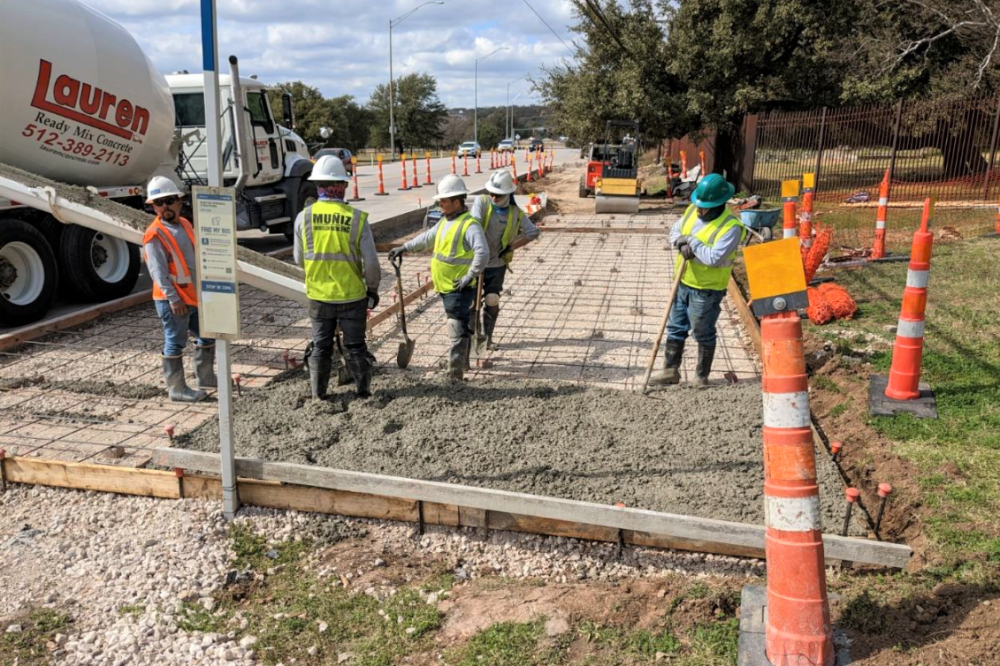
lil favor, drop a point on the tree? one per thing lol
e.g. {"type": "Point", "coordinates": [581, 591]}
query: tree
{"type": "Point", "coordinates": [353, 133]}
{"type": "Point", "coordinates": [419, 113]}
{"type": "Point", "coordinates": [491, 129]}
{"type": "Point", "coordinates": [311, 110]}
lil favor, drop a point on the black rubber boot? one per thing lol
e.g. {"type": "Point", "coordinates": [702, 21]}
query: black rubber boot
{"type": "Point", "coordinates": [490, 315]}
{"type": "Point", "coordinates": [177, 388]}
{"type": "Point", "coordinates": [672, 353]}
{"type": "Point", "coordinates": [319, 376]}
{"type": "Point", "coordinates": [459, 351]}
{"type": "Point", "coordinates": [706, 354]}
{"type": "Point", "coordinates": [361, 369]}
{"type": "Point", "coordinates": [204, 366]}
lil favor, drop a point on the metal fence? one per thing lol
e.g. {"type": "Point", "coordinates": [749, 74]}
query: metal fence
{"type": "Point", "coordinates": [932, 147]}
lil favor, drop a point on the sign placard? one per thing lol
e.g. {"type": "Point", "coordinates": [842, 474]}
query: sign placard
{"type": "Point", "coordinates": [215, 236]}
{"type": "Point", "coordinates": [776, 276]}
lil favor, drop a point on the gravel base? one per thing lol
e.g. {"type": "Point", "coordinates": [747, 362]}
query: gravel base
{"type": "Point", "coordinates": [88, 554]}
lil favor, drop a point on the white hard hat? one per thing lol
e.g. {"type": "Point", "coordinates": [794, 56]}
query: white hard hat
{"type": "Point", "coordinates": [501, 182]}
{"type": "Point", "coordinates": [159, 187]}
{"type": "Point", "coordinates": [329, 167]}
{"type": "Point", "coordinates": [451, 186]}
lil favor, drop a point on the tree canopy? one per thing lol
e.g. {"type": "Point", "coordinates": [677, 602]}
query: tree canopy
{"type": "Point", "coordinates": [419, 114]}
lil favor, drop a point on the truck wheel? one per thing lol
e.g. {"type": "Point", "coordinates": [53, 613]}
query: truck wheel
{"type": "Point", "coordinates": [307, 197]}
{"type": "Point", "coordinates": [28, 273]}
{"type": "Point", "coordinates": [584, 192]}
{"type": "Point", "coordinates": [97, 267]}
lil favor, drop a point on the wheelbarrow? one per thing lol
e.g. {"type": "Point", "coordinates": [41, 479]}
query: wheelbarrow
{"type": "Point", "coordinates": [761, 220]}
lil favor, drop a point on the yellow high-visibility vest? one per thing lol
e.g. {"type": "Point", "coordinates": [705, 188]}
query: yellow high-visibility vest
{"type": "Point", "coordinates": [510, 231]}
{"type": "Point", "coordinates": [451, 260]}
{"type": "Point", "coordinates": [697, 275]}
{"type": "Point", "coordinates": [331, 242]}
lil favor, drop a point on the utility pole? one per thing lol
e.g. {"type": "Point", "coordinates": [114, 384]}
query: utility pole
{"type": "Point", "coordinates": [475, 111]}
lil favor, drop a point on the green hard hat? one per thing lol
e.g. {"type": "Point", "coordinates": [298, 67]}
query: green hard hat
{"type": "Point", "coordinates": [712, 191]}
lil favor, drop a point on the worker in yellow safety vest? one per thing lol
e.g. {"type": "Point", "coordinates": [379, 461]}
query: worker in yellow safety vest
{"type": "Point", "coordinates": [503, 222]}
{"type": "Point", "coordinates": [168, 248]}
{"type": "Point", "coordinates": [708, 236]}
{"type": "Point", "coordinates": [335, 247]}
{"type": "Point", "coordinates": [460, 254]}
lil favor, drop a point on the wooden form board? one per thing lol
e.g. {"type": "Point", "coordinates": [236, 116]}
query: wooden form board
{"type": "Point", "coordinates": [499, 509]}
{"type": "Point", "coordinates": [750, 322]}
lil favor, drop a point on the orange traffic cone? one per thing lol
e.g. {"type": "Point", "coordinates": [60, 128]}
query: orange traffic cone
{"type": "Point", "coordinates": [465, 164]}
{"type": "Point", "coordinates": [428, 181]}
{"type": "Point", "coordinates": [788, 220]}
{"type": "Point", "coordinates": [453, 172]}
{"type": "Point", "coordinates": [907, 352]}
{"type": "Point", "coordinates": [878, 247]}
{"type": "Point", "coordinates": [805, 219]}
{"type": "Point", "coordinates": [479, 162]}
{"type": "Point", "coordinates": [381, 181]}
{"type": "Point", "coordinates": [798, 629]}
{"type": "Point", "coordinates": [513, 165]}
{"type": "Point", "coordinates": [403, 162]}
{"type": "Point", "coordinates": [414, 183]}
{"type": "Point", "coordinates": [354, 188]}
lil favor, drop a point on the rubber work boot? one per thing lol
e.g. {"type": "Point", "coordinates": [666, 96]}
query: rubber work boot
{"type": "Point", "coordinates": [361, 369]}
{"type": "Point", "coordinates": [490, 315]}
{"type": "Point", "coordinates": [319, 376]}
{"type": "Point", "coordinates": [706, 353]}
{"type": "Point", "coordinates": [177, 388]}
{"type": "Point", "coordinates": [671, 374]}
{"type": "Point", "coordinates": [459, 351]}
{"type": "Point", "coordinates": [204, 366]}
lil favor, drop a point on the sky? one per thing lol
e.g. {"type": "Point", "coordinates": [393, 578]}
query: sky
{"type": "Point", "coordinates": [342, 46]}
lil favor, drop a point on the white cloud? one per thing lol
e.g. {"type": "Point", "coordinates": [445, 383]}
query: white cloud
{"type": "Point", "coordinates": [343, 47]}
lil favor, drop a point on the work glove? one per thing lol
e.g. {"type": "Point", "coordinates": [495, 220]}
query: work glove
{"type": "Point", "coordinates": [396, 252]}
{"type": "Point", "coordinates": [686, 251]}
{"type": "Point", "coordinates": [372, 299]}
{"type": "Point", "coordinates": [463, 282]}
{"type": "Point", "coordinates": [683, 239]}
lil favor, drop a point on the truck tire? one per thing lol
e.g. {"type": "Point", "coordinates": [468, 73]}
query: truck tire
{"type": "Point", "coordinates": [28, 273]}
{"type": "Point", "coordinates": [96, 267]}
{"type": "Point", "coordinates": [307, 196]}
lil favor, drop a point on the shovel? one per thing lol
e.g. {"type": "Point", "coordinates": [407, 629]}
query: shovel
{"type": "Point", "coordinates": [344, 376]}
{"type": "Point", "coordinates": [663, 325]}
{"type": "Point", "coordinates": [480, 338]}
{"type": "Point", "coordinates": [406, 346]}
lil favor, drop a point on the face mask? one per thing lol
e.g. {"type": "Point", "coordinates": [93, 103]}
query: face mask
{"type": "Point", "coordinates": [501, 203]}
{"type": "Point", "coordinates": [330, 191]}
{"type": "Point", "coordinates": [709, 214]}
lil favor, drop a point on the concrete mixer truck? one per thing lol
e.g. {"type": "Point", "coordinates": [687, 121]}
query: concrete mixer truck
{"type": "Point", "coordinates": [86, 107]}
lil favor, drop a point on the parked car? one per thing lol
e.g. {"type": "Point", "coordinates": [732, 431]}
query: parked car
{"type": "Point", "coordinates": [505, 146]}
{"type": "Point", "coordinates": [343, 153]}
{"type": "Point", "coordinates": [471, 148]}
{"type": "Point", "coordinates": [536, 145]}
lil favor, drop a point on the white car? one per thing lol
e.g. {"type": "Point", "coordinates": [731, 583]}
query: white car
{"type": "Point", "coordinates": [505, 146]}
{"type": "Point", "coordinates": [470, 148]}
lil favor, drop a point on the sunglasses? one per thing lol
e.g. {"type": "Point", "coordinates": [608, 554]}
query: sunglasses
{"type": "Point", "coordinates": [166, 201]}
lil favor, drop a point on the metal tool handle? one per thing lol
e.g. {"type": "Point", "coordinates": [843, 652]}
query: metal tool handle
{"type": "Point", "coordinates": [663, 324]}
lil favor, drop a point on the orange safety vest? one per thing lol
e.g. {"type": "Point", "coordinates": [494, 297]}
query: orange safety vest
{"type": "Point", "coordinates": [180, 272]}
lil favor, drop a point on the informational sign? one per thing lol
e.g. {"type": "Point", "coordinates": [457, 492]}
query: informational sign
{"type": "Point", "coordinates": [809, 181]}
{"type": "Point", "coordinates": [789, 189]}
{"type": "Point", "coordinates": [218, 289]}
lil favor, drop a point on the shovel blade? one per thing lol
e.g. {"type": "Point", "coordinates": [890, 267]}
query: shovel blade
{"type": "Point", "coordinates": [404, 353]}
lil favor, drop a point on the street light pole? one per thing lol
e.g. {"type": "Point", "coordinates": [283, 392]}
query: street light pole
{"type": "Point", "coordinates": [512, 114]}
{"type": "Point", "coordinates": [475, 110]}
{"type": "Point", "coordinates": [507, 115]}
{"type": "Point", "coordinates": [392, 99]}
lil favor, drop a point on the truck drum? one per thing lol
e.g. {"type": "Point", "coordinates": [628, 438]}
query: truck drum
{"type": "Point", "coordinates": [96, 267]}
{"type": "Point", "coordinates": [28, 273]}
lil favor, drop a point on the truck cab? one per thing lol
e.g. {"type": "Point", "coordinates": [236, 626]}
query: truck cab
{"type": "Point", "coordinates": [276, 161]}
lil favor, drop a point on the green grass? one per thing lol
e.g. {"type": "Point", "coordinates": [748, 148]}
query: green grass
{"type": "Point", "coordinates": [839, 409]}
{"type": "Point", "coordinates": [634, 642]}
{"type": "Point", "coordinates": [503, 644]}
{"type": "Point", "coordinates": [27, 647]}
{"type": "Point", "coordinates": [958, 454]}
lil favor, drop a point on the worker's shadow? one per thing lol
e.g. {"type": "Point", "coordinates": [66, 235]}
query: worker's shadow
{"type": "Point", "coordinates": [923, 618]}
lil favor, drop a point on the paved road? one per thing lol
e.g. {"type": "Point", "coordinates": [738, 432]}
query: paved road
{"type": "Point", "coordinates": [378, 207]}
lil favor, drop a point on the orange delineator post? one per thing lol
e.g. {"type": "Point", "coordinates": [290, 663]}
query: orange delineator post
{"type": "Point", "coordinates": [428, 181]}
{"type": "Point", "coordinates": [403, 162]}
{"type": "Point", "coordinates": [701, 157]}
{"type": "Point", "coordinates": [788, 226]}
{"type": "Point", "coordinates": [479, 162]}
{"type": "Point", "coordinates": [354, 180]}
{"type": "Point", "coordinates": [878, 247]}
{"type": "Point", "coordinates": [493, 160]}
{"type": "Point", "coordinates": [684, 165]}
{"type": "Point", "coordinates": [805, 218]}
{"type": "Point", "coordinates": [381, 182]}
{"type": "Point", "coordinates": [453, 172]}
{"type": "Point", "coordinates": [529, 167]}
{"type": "Point", "coordinates": [908, 351]}
{"type": "Point", "coordinates": [798, 630]}
{"type": "Point", "coordinates": [513, 165]}
{"type": "Point", "coordinates": [414, 183]}
{"type": "Point", "coordinates": [465, 164]}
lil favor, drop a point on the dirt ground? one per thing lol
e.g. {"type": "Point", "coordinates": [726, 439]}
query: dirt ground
{"type": "Point", "coordinates": [661, 453]}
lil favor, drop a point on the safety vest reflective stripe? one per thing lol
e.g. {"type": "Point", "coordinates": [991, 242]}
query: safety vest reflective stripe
{"type": "Point", "coordinates": [332, 256]}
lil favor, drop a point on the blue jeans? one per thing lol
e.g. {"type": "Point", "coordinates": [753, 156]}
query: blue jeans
{"type": "Point", "coordinates": [695, 310]}
{"type": "Point", "coordinates": [175, 329]}
{"type": "Point", "coordinates": [458, 305]}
